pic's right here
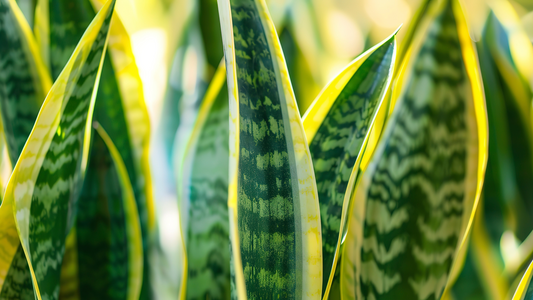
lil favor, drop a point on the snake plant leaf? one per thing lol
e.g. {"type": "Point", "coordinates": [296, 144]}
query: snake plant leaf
{"type": "Point", "coordinates": [24, 82]}
{"type": "Point", "coordinates": [509, 53]}
{"type": "Point", "coordinates": [23, 78]}
{"type": "Point", "coordinates": [415, 201]}
{"type": "Point", "coordinates": [337, 127]}
{"type": "Point", "coordinates": [305, 87]}
{"type": "Point", "coordinates": [272, 196]}
{"type": "Point", "coordinates": [108, 235]}
{"type": "Point", "coordinates": [524, 290]}
{"type": "Point", "coordinates": [120, 106]}
{"type": "Point", "coordinates": [45, 183]}
{"type": "Point", "coordinates": [204, 184]}
{"type": "Point", "coordinates": [103, 257]}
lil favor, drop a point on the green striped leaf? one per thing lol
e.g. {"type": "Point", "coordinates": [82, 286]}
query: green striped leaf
{"type": "Point", "coordinates": [45, 183]}
{"type": "Point", "coordinates": [337, 127]}
{"type": "Point", "coordinates": [415, 202]}
{"type": "Point", "coordinates": [120, 106]}
{"type": "Point", "coordinates": [23, 78]}
{"type": "Point", "coordinates": [108, 234]}
{"type": "Point", "coordinates": [103, 257]}
{"type": "Point", "coordinates": [273, 204]}
{"type": "Point", "coordinates": [204, 196]}
{"type": "Point", "coordinates": [24, 82]}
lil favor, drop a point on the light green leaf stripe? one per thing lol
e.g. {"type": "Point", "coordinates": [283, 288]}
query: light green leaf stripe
{"type": "Point", "coordinates": [24, 80]}
{"type": "Point", "coordinates": [338, 127]}
{"type": "Point", "coordinates": [132, 225]}
{"type": "Point", "coordinates": [415, 202]}
{"type": "Point", "coordinates": [205, 187]}
{"type": "Point", "coordinates": [272, 195]}
{"type": "Point", "coordinates": [125, 120]}
{"type": "Point", "coordinates": [47, 178]}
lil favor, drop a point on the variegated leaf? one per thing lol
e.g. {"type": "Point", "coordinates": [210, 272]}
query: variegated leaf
{"type": "Point", "coordinates": [273, 204]}
{"type": "Point", "coordinates": [509, 52]}
{"type": "Point", "coordinates": [338, 126]}
{"type": "Point", "coordinates": [415, 202]}
{"type": "Point", "coordinates": [47, 178]}
{"type": "Point", "coordinates": [120, 106]}
{"type": "Point", "coordinates": [24, 82]}
{"type": "Point", "coordinates": [204, 187]}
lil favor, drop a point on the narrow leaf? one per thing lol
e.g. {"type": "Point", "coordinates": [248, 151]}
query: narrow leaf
{"type": "Point", "coordinates": [274, 213]}
{"type": "Point", "coordinates": [204, 187]}
{"type": "Point", "coordinates": [415, 202]}
{"type": "Point", "coordinates": [525, 288]}
{"type": "Point", "coordinates": [120, 106]}
{"type": "Point", "coordinates": [338, 126]}
{"type": "Point", "coordinates": [47, 178]}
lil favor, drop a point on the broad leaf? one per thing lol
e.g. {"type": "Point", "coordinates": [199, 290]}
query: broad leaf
{"type": "Point", "coordinates": [41, 193]}
{"type": "Point", "coordinates": [204, 193]}
{"type": "Point", "coordinates": [120, 106]}
{"type": "Point", "coordinates": [415, 202]}
{"type": "Point", "coordinates": [273, 203]}
{"type": "Point", "coordinates": [338, 126]}
{"type": "Point", "coordinates": [508, 50]}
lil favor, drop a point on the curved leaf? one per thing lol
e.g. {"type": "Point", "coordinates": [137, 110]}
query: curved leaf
{"type": "Point", "coordinates": [120, 106]}
{"type": "Point", "coordinates": [503, 38]}
{"type": "Point", "coordinates": [47, 178]}
{"type": "Point", "coordinates": [204, 185]}
{"type": "Point", "coordinates": [415, 202]}
{"type": "Point", "coordinates": [24, 82]}
{"type": "Point", "coordinates": [273, 204]}
{"type": "Point", "coordinates": [524, 290]}
{"type": "Point", "coordinates": [337, 127]}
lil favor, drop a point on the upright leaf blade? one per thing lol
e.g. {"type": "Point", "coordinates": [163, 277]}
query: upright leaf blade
{"type": "Point", "coordinates": [204, 186]}
{"type": "Point", "coordinates": [24, 82]}
{"type": "Point", "coordinates": [274, 214]}
{"type": "Point", "coordinates": [415, 202]}
{"type": "Point", "coordinates": [47, 178]}
{"type": "Point", "coordinates": [338, 126]}
{"type": "Point", "coordinates": [23, 78]}
{"type": "Point", "coordinates": [120, 106]}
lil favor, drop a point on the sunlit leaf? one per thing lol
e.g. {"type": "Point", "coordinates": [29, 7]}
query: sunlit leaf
{"type": "Point", "coordinates": [415, 202]}
{"type": "Point", "coordinates": [120, 106]}
{"type": "Point", "coordinates": [525, 288]}
{"type": "Point", "coordinates": [338, 126]}
{"type": "Point", "coordinates": [41, 193]}
{"type": "Point", "coordinates": [204, 197]}
{"type": "Point", "coordinates": [273, 203]}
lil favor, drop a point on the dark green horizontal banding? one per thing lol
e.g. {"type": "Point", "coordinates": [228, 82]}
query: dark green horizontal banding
{"type": "Point", "coordinates": [208, 247]}
{"type": "Point", "coordinates": [414, 207]}
{"type": "Point", "coordinates": [339, 139]}
{"type": "Point", "coordinates": [60, 180]}
{"type": "Point", "coordinates": [266, 212]}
